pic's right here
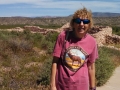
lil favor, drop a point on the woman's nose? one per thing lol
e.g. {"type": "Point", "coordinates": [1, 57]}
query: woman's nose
{"type": "Point", "coordinates": [81, 23]}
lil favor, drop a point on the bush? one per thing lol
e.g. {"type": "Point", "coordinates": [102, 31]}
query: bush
{"type": "Point", "coordinates": [44, 77]}
{"type": "Point", "coordinates": [48, 42]}
{"type": "Point", "coordinates": [116, 30]}
{"type": "Point", "coordinates": [51, 36]}
{"type": "Point", "coordinates": [36, 39]}
{"type": "Point", "coordinates": [19, 45]}
{"type": "Point", "coordinates": [4, 35]}
{"type": "Point", "coordinates": [104, 66]}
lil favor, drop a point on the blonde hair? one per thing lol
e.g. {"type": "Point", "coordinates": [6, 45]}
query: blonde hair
{"type": "Point", "coordinates": [84, 13]}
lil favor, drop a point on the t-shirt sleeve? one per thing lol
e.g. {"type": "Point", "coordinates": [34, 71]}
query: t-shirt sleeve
{"type": "Point", "coordinates": [58, 45]}
{"type": "Point", "coordinates": [94, 55]}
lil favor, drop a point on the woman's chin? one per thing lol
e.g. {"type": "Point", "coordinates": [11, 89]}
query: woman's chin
{"type": "Point", "coordinates": [81, 31]}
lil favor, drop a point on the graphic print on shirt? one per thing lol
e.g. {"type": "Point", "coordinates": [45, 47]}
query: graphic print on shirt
{"type": "Point", "coordinates": [75, 57]}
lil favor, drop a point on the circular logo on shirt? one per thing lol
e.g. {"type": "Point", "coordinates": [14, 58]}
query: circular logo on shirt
{"type": "Point", "coordinates": [74, 58]}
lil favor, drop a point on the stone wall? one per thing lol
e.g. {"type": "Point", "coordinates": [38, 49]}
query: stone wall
{"type": "Point", "coordinates": [35, 29]}
{"type": "Point", "coordinates": [114, 39]}
{"type": "Point", "coordinates": [103, 36]}
{"type": "Point", "coordinates": [100, 33]}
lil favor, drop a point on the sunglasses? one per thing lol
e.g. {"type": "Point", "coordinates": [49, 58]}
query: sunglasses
{"type": "Point", "coordinates": [78, 21]}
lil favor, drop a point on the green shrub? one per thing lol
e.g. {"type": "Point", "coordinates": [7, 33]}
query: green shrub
{"type": "Point", "coordinates": [51, 36]}
{"type": "Point", "coordinates": [50, 48]}
{"type": "Point", "coordinates": [51, 26]}
{"type": "Point", "coordinates": [11, 26]}
{"type": "Point", "coordinates": [36, 39]}
{"type": "Point", "coordinates": [104, 66]}
{"type": "Point", "coordinates": [4, 35]}
{"type": "Point", "coordinates": [48, 42]}
{"type": "Point", "coordinates": [19, 45]}
{"type": "Point", "coordinates": [44, 77]}
{"type": "Point", "coordinates": [116, 30]}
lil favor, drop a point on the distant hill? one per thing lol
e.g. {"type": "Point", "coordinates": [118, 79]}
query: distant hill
{"type": "Point", "coordinates": [105, 14]}
{"type": "Point", "coordinates": [109, 19]}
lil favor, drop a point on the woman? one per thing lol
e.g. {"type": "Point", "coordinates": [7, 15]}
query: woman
{"type": "Point", "coordinates": [74, 55]}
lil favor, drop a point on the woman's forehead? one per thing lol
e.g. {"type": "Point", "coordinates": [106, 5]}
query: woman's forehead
{"type": "Point", "coordinates": [82, 17]}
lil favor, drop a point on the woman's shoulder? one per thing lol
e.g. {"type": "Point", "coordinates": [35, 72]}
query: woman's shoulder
{"type": "Point", "coordinates": [64, 33]}
{"type": "Point", "coordinates": [91, 38]}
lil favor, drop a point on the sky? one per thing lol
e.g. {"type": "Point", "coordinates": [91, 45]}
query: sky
{"type": "Point", "coordinates": [37, 8]}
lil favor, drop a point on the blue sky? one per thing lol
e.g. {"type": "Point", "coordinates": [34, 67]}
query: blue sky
{"type": "Point", "coordinates": [34, 8]}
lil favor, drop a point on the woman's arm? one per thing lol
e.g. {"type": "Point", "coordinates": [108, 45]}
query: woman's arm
{"type": "Point", "coordinates": [91, 71]}
{"type": "Point", "coordinates": [53, 73]}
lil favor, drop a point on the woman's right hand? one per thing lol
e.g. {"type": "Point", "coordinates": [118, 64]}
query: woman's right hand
{"type": "Point", "coordinates": [53, 88]}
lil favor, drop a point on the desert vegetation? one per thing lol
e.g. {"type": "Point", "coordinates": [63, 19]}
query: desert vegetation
{"type": "Point", "coordinates": [21, 58]}
{"type": "Point", "coordinates": [116, 30]}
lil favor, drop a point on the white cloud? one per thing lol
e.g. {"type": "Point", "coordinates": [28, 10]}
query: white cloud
{"type": "Point", "coordinates": [64, 4]}
{"type": "Point", "coordinates": [22, 1]}
{"type": "Point", "coordinates": [59, 6]}
{"type": "Point", "coordinates": [73, 5]}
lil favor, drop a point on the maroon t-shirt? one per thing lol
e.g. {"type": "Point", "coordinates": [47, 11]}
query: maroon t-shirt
{"type": "Point", "coordinates": [73, 75]}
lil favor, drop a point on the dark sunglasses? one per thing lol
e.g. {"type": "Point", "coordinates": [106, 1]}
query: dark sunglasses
{"type": "Point", "coordinates": [78, 21]}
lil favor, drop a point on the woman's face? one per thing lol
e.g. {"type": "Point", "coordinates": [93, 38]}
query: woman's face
{"type": "Point", "coordinates": [81, 26]}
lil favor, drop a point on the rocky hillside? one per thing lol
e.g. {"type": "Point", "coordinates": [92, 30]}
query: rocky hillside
{"type": "Point", "coordinates": [109, 21]}
{"type": "Point", "coordinates": [33, 21]}
{"type": "Point", "coordinates": [105, 14]}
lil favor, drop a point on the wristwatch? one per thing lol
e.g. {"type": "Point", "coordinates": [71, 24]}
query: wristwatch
{"type": "Point", "coordinates": [93, 88]}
